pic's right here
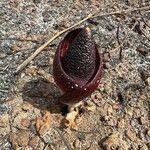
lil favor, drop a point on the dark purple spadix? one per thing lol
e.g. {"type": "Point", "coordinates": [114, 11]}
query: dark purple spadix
{"type": "Point", "coordinates": [77, 66]}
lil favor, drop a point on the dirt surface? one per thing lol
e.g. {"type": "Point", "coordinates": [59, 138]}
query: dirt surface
{"type": "Point", "coordinates": [115, 117]}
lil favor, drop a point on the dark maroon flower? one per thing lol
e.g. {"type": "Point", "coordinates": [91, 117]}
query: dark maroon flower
{"type": "Point", "coordinates": [77, 66]}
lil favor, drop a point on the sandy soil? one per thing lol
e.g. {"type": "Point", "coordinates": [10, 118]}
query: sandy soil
{"type": "Point", "coordinates": [115, 117]}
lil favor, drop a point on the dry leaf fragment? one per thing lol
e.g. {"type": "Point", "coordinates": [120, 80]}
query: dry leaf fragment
{"type": "Point", "coordinates": [69, 120]}
{"type": "Point", "coordinates": [43, 123]}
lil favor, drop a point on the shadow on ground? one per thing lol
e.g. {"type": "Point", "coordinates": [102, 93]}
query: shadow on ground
{"type": "Point", "coordinates": [43, 95]}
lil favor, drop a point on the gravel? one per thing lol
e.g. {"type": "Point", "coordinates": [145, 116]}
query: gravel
{"type": "Point", "coordinates": [122, 99]}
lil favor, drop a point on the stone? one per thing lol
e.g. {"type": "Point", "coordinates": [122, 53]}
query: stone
{"type": "Point", "coordinates": [115, 141]}
{"type": "Point", "coordinates": [131, 135]}
{"type": "Point", "coordinates": [34, 141]}
{"type": "Point", "coordinates": [25, 122]}
{"type": "Point", "coordinates": [23, 138]}
{"type": "Point", "coordinates": [43, 123]}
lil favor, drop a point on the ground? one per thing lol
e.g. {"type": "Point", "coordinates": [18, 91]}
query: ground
{"type": "Point", "coordinates": [116, 116]}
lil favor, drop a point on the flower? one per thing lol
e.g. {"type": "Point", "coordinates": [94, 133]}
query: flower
{"type": "Point", "coordinates": [77, 66]}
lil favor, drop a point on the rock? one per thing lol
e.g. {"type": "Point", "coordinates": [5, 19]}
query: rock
{"type": "Point", "coordinates": [34, 141]}
{"type": "Point", "coordinates": [77, 144]}
{"type": "Point", "coordinates": [143, 51]}
{"type": "Point", "coordinates": [109, 121]}
{"type": "Point", "coordinates": [47, 15]}
{"type": "Point", "coordinates": [43, 123]}
{"type": "Point", "coordinates": [69, 121]}
{"type": "Point", "coordinates": [131, 135]}
{"type": "Point", "coordinates": [21, 35]}
{"type": "Point", "coordinates": [25, 122]}
{"type": "Point", "coordinates": [110, 110]}
{"type": "Point", "coordinates": [114, 141]}
{"type": "Point", "coordinates": [23, 138]}
{"type": "Point", "coordinates": [91, 108]}
{"type": "Point", "coordinates": [148, 132]}
{"type": "Point", "coordinates": [26, 106]}
{"type": "Point", "coordinates": [129, 112]}
{"type": "Point", "coordinates": [148, 145]}
{"type": "Point", "coordinates": [145, 75]}
{"type": "Point", "coordinates": [4, 120]}
{"type": "Point", "coordinates": [15, 48]}
{"type": "Point", "coordinates": [147, 81]}
{"type": "Point", "coordinates": [19, 139]}
{"type": "Point", "coordinates": [36, 1]}
{"type": "Point", "coordinates": [12, 139]}
{"type": "Point", "coordinates": [121, 123]}
{"type": "Point", "coordinates": [96, 96]}
{"type": "Point", "coordinates": [18, 118]}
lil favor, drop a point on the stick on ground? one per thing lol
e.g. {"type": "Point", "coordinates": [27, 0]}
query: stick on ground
{"type": "Point", "coordinates": [22, 66]}
{"type": "Point", "coordinates": [90, 16]}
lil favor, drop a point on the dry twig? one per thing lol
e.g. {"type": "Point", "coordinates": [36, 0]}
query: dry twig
{"type": "Point", "coordinates": [22, 66]}
{"type": "Point", "coordinates": [122, 11]}
{"type": "Point", "coordinates": [90, 16]}
{"type": "Point", "coordinates": [117, 34]}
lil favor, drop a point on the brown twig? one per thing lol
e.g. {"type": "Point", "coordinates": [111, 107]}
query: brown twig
{"type": "Point", "coordinates": [22, 66]}
{"type": "Point", "coordinates": [20, 39]}
{"type": "Point", "coordinates": [120, 52]}
{"type": "Point", "coordinates": [122, 11]}
{"type": "Point", "coordinates": [90, 16]}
